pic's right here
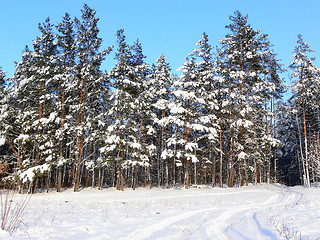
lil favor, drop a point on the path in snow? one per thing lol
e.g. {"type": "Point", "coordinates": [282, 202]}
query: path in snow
{"type": "Point", "coordinates": [255, 212]}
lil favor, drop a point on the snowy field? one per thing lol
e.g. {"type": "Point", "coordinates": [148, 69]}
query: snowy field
{"type": "Point", "coordinates": [254, 212]}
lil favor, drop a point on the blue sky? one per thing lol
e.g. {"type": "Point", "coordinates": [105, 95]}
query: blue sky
{"type": "Point", "coordinates": [169, 27]}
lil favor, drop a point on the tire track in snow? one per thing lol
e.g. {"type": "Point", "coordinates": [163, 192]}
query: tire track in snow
{"type": "Point", "coordinates": [220, 225]}
{"type": "Point", "coordinates": [205, 217]}
{"type": "Point", "coordinates": [151, 231]}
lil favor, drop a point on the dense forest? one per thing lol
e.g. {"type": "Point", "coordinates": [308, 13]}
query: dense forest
{"type": "Point", "coordinates": [66, 123]}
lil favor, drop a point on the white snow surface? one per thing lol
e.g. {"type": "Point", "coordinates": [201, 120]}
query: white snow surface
{"type": "Point", "coordinates": [254, 212]}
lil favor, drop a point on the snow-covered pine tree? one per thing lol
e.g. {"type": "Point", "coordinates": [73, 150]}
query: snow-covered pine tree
{"type": "Point", "coordinates": [143, 114]}
{"type": "Point", "coordinates": [124, 142]}
{"type": "Point", "coordinates": [2, 82]}
{"type": "Point", "coordinates": [160, 94]}
{"type": "Point", "coordinates": [244, 56]}
{"type": "Point", "coordinates": [65, 79]}
{"type": "Point", "coordinates": [274, 98]}
{"type": "Point", "coordinates": [45, 68]}
{"type": "Point", "coordinates": [18, 111]}
{"type": "Point", "coordinates": [33, 123]}
{"type": "Point", "coordinates": [89, 83]}
{"type": "Point", "coordinates": [186, 114]}
{"type": "Point", "coordinates": [209, 91]}
{"type": "Point", "coordinates": [3, 108]}
{"type": "Point", "coordinates": [305, 88]}
{"type": "Point", "coordinates": [115, 141]}
{"type": "Point", "coordinates": [287, 128]}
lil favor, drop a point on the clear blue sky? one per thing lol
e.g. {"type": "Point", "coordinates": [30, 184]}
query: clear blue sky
{"type": "Point", "coordinates": [169, 27]}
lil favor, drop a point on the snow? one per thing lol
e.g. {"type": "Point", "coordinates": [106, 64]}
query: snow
{"type": "Point", "coordinates": [2, 141]}
{"type": "Point", "coordinates": [253, 212]}
{"type": "Point", "coordinates": [190, 146]}
{"type": "Point", "coordinates": [29, 174]}
{"type": "Point", "coordinates": [242, 155]}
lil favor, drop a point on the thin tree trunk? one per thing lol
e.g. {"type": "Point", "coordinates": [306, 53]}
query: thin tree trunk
{"type": "Point", "coordinates": [167, 174]}
{"type": "Point", "coordinates": [186, 182]}
{"type": "Point", "coordinates": [78, 163]}
{"type": "Point", "coordinates": [63, 117]}
{"type": "Point", "coordinates": [159, 161]}
{"type": "Point", "coordinates": [274, 135]}
{"type": "Point", "coordinates": [214, 171]}
{"type": "Point", "coordinates": [80, 138]}
{"type": "Point", "coordinates": [268, 172]}
{"type": "Point", "coordinates": [134, 176]}
{"type": "Point", "coordinates": [59, 180]}
{"type": "Point", "coordinates": [187, 162]}
{"type": "Point", "coordinates": [305, 145]}
{"type": "Point", "coordinates": [195, 174]}
{"type": "Point", "coordinates": [231, 171]}
{"type": "Point", "coordinates": [255, 176]}
{"type": "Point", "coordinates": [221, 157]}
{"type": "Point", "coordinates": [120, 176]}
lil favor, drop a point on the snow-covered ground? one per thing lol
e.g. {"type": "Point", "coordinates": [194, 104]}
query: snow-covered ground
{"type": "Point", "coordinates": [254, 212]}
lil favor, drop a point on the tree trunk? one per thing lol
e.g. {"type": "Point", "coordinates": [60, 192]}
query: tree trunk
{"type": "Point", "coordinates": [195, 174]}
{"type": "Point", "coordinates": [221, 157]}
{"type": "Point", "coordinates": [305, 145]}
{"type": "Point", "coordinates": [186, 181]}
{"type": "Point", "coordinates": [80, 138]}
{"type": "Point", "coordinates": [78, 163]}
{"type": "Point", "coordinates": [100, 177]}
{"type": "Point", "coordinates": [187, 162]}
{"type": "Point", "coordinates": [63, 117]}
{"type": "Point", "coordinates": [134, 177]}
{"type": "Point", "coordinates": [231, 170]}
{"type": "Point", "coordinates": [214, 171]}
{"type": "Point", "coordinates": [59, 180]}
{"type": "Point", "coordinates": [120, 179]}
{"type": "Point", "coordinates": [120, 176]}
{"type": "Point", "coordinates": [167, 173]}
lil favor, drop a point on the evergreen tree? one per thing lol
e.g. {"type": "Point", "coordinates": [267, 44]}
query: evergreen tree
{"type": "Point", "coordinates": [159, 94]}
{"type": "Point", "coordinates": [244, 55]}
{"type": "Point", "coordinates": [31, 129]}
{"type": "Point", "coordinates": [186, 112]}
{"type": "Point", "coordinates": [89, 82]}
{"type": "Point", "coordinates": [143, 116]}
{"type": "Point", "coordinates": [209, 92]}
{"type": "Point", "coordinates": [4, 151]}
{"type": "Point", "coordinates": [305, 90]}
{"type": "Point", "coordinates": [128, 119]}
{"type": "Point", "coordinates": [290, 166]}
{"type": "Point", "coordinates": [45, 62]}
{"type": "Point", "coordinates": [18, 110]}
{"type": "Point", "coordinates": [65, 80]}
{"type": "Point", "coordinates": [2, 82]}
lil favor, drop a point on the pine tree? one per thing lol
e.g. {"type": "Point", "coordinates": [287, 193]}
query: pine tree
{"type": "Point", "coordinates": [209, 92]}
{"type": "Point", "coordinates": [306, 89]}
{"type": "Point", "coordinates": [116, 142]}
{"type": "Point", "coordinates": [186, 114]}
{"type": "Point", "coordinates": [31, 129]}
{"type": "Point", "coordinates": [18, 110]}
{"type": "Point", "coordinates": [159, 94]}
{"type": "Point", "coordinates": [44, 54]}
{"type": "Point", "coordinates": [244, 55]}
{"type": "Point", "coordinates": [3, 109]}
{"type": "Point", "coordinates": [128, 119]}
{"type": "Point", "coordinates": [65, 79]}
{"type": "Point", "coordinates": [89, 81]}
{"type": "Point", "coordinates": [142, 114]}
{"type": "Point", "coordinates": [287, 128]}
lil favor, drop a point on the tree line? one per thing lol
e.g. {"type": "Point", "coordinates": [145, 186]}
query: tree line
{"type": "Point", "coordinates": [67, 123]}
